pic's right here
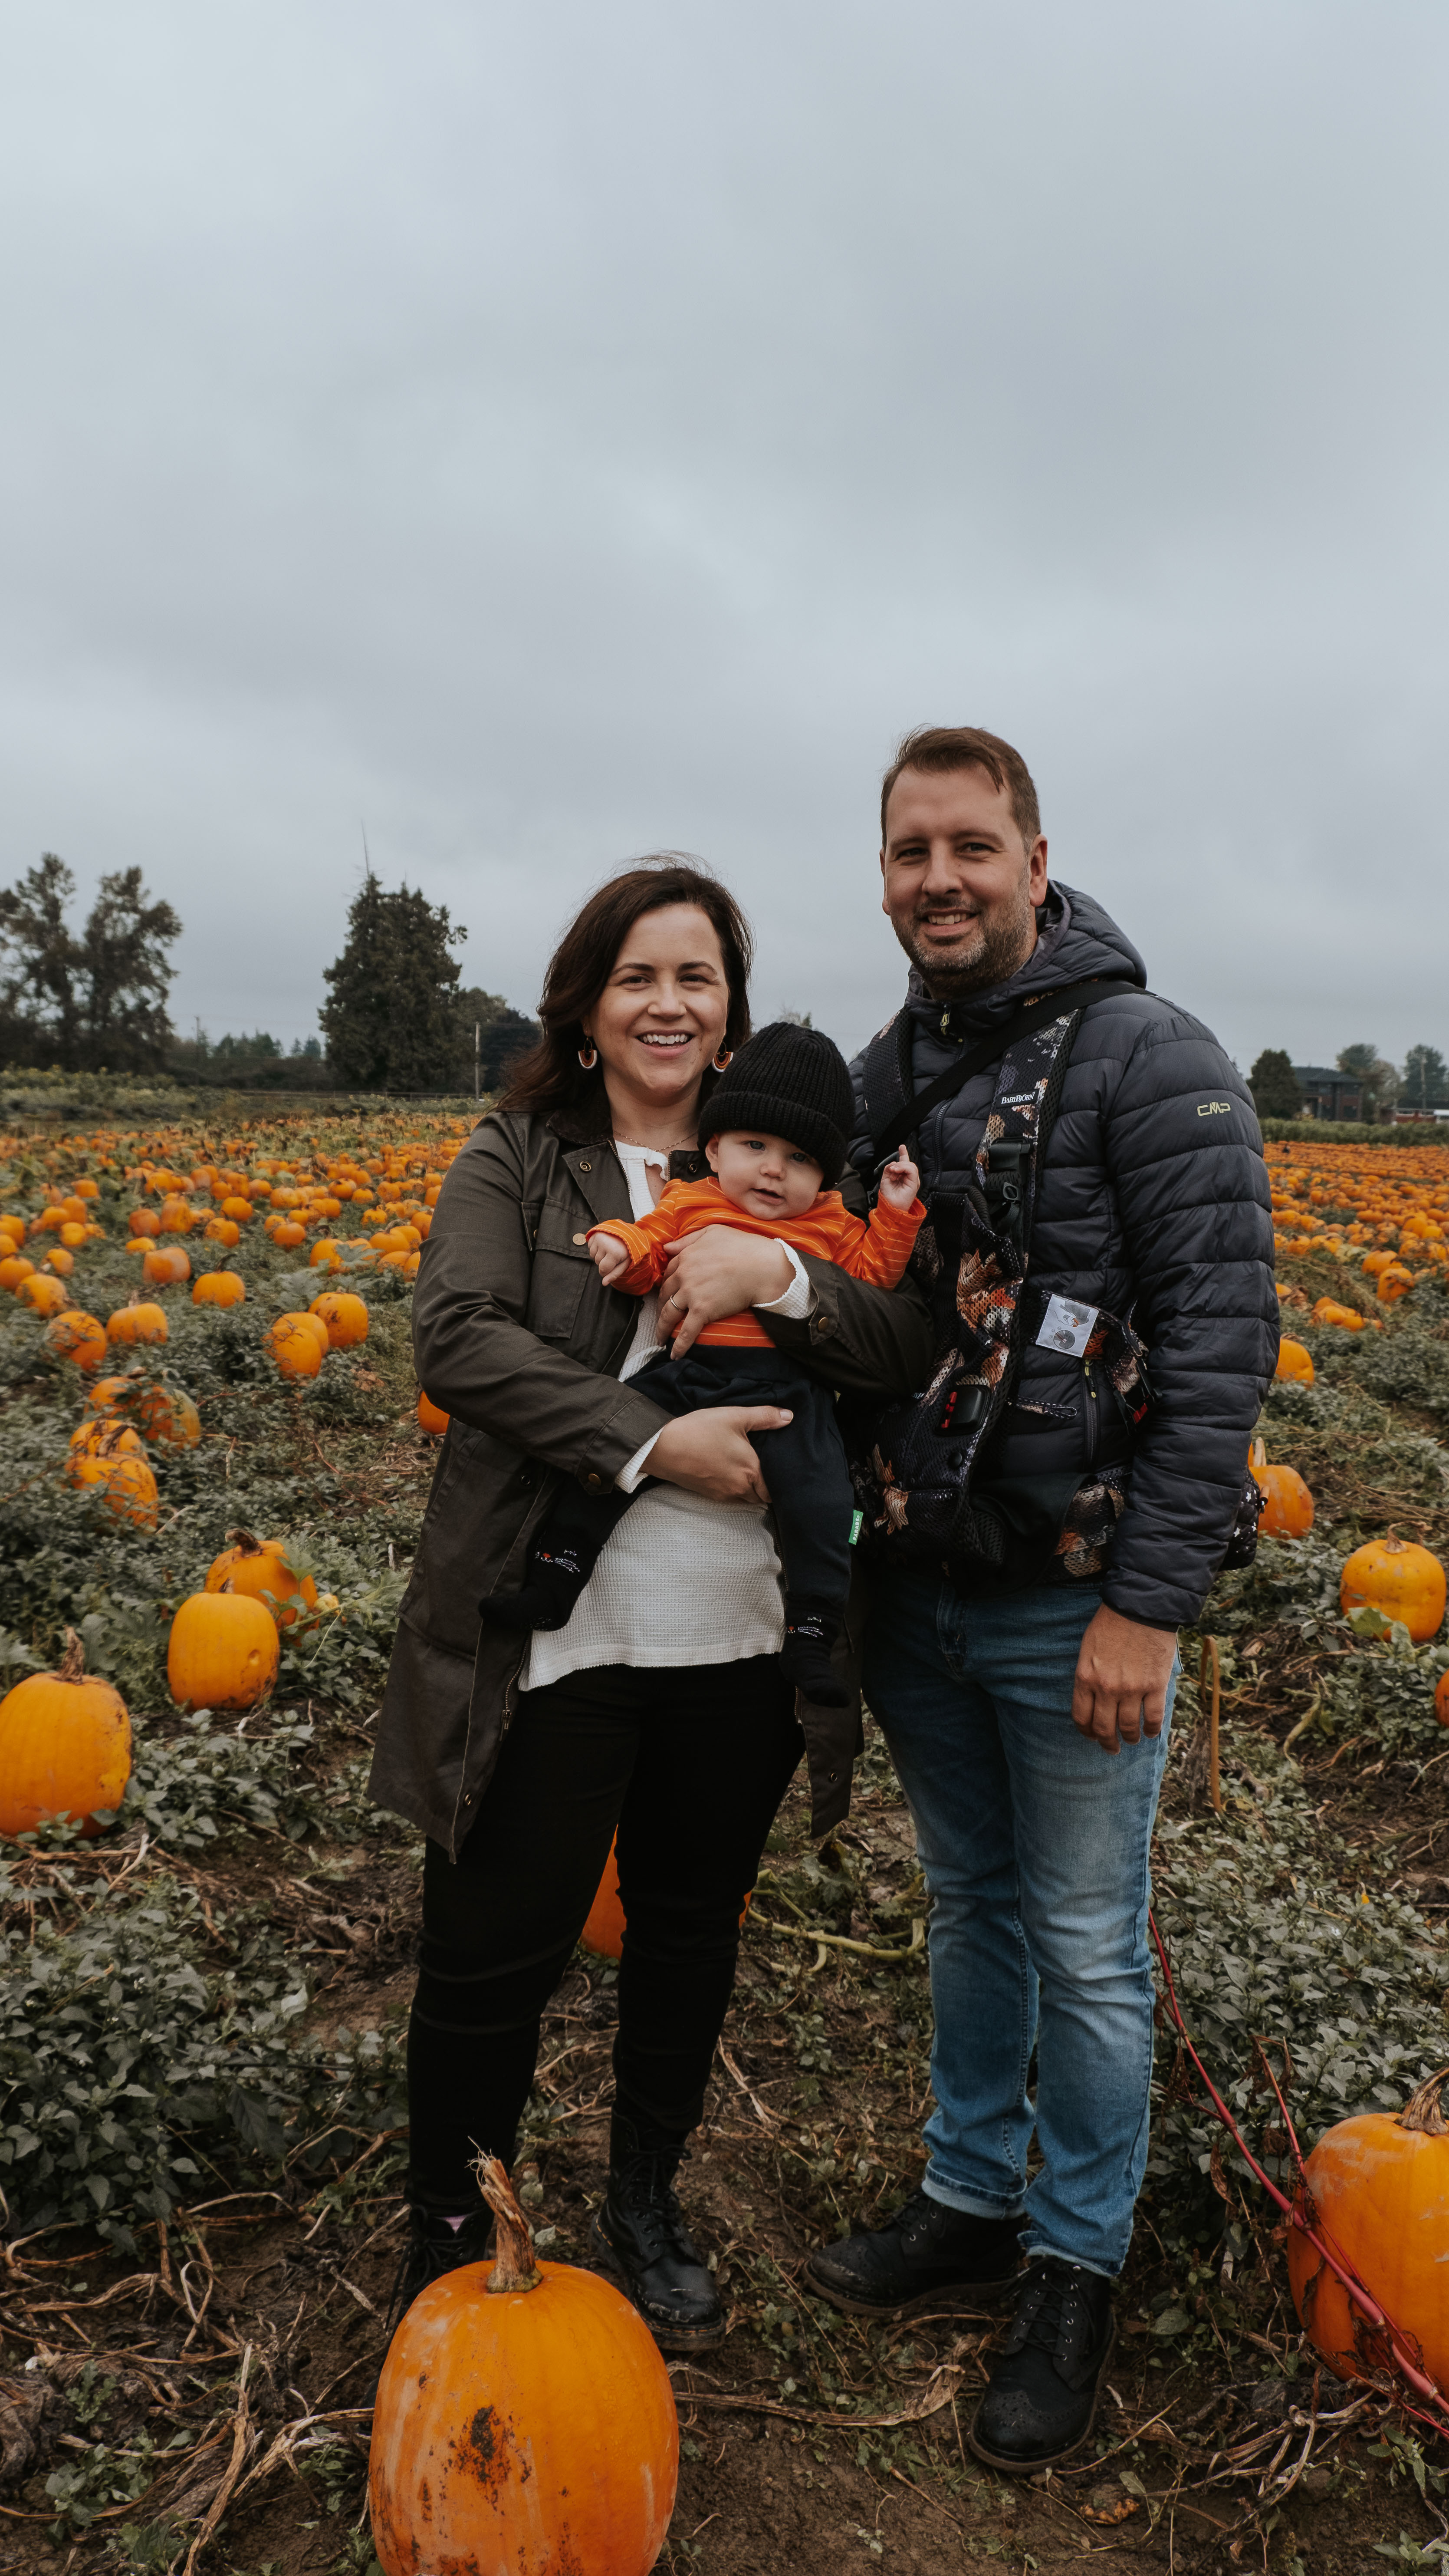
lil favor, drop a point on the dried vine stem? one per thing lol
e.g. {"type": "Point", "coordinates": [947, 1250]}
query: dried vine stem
{"type": "Point", "coordinates": [513, 2265]}
{"type": "Point", "coordinates": [1424, 2110]}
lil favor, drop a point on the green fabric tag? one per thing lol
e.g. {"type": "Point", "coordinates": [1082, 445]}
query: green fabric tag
{"type": "Point", "coordinates": [857, 1522]}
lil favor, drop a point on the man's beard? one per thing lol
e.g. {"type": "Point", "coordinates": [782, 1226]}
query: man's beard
{"type": "Point", "coordinates": [1006, 943]}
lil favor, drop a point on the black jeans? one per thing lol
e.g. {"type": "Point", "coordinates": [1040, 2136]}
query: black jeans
{"type": "Point", "coordinates": [689, 1765]}
{"type": "Point", "coordinates": [804, 1464]}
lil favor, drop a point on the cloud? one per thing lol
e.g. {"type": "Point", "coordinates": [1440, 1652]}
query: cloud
{"type": "Point", "coordinates": [545, 435]}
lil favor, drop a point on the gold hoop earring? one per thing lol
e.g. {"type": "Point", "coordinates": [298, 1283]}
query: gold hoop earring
{"type": "Point", "coordinates": [588, 1054]}
{"type": "Point", "coordinates": [722, 1057]}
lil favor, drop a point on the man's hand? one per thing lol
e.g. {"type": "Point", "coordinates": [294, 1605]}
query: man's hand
{"type": "Point", "coordinates": [610, 1257]}
{"type": "Point", "coordinates": [718, 1272]}
{"type": "Point", "coordinates": [709, 1452]}
{"type": "Point", "coordinates": [1123, 1671]}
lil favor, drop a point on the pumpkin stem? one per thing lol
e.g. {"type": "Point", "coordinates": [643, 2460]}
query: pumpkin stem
{"type": "Point", "coordinates": [1424, 2110]}
{"type": "Point", "coordinates": [73, 1666]}
{"type": "Point", "coordinates": [245, 1542]}
{"type": "Point", "coordinates": [513, 2265]}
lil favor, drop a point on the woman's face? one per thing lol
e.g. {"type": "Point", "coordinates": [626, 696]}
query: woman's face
{"type": "Point", "coordinates": [661, 1016]}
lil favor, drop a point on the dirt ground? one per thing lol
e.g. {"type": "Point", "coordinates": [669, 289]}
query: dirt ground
{"type": "Point", "coordinates": [813, 2121]}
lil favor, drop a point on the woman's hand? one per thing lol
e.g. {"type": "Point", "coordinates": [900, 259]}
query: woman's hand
{"type": "Point", "coordinates": [718, 1272]}
{"type": "Point", "coordinates": [709, 1453]}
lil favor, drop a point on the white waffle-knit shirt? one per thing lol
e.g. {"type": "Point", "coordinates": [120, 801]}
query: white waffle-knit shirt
{"type": "Point", "coordinates": [681, 1580]}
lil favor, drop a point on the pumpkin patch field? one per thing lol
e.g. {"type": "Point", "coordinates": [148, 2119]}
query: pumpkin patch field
{"type": "Point", "coordinates": [216, 1457]}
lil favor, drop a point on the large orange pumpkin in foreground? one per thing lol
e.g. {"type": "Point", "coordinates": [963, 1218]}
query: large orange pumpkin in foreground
{"type": "Point", "coordinates": [1401, 1579]}
{"type": "Point", "coordinates": [524, 2422]}
{"type": "Point", "coordinates": [223, 1651]}
{"type": "Point", "coordinates": [258, 1567]}
{"type": "Point", "coordinates": [65, 1747]}
{"type": "Point", "coordinates": [1380, 2186]}
{"type": "Point", "coordinates": [603, 1933]}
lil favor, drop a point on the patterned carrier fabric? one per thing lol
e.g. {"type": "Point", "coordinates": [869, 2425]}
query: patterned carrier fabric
{"type": "Point", "coordinates": [912, 1478]}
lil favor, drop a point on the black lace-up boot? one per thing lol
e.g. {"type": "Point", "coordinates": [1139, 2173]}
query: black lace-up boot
{"type": "Point", "coordinates": [640, 2238]}
{"type": "Point", "coordinates": [435, 2246]}
{"type": "Point", "coordinates": [1042, 2393]}
{"type": "Point", "coordinates": [926, 2256]}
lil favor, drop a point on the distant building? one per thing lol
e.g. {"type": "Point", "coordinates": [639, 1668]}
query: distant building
{"type": "Point", "coordinates": [1327, 1093]}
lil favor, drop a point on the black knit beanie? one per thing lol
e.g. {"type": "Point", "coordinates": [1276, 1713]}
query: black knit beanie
{"type": "Point", "coordinates": [791, 1082]}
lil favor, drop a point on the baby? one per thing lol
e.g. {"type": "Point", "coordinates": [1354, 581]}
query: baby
{"type": "Point", "coordinates": [777, 1126]}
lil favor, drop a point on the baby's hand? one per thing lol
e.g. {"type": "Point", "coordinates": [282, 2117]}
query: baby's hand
{"type": "Point", "coordinates": [900, 1182]}
{"type": "Point", "coordinates": [610, 1257]}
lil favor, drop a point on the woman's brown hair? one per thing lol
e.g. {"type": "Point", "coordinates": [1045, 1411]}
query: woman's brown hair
{"type": "Point", "coordinates": [551, 1077]}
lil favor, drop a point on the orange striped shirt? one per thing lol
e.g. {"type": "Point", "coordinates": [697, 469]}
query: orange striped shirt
{"type": "Point", "coordinates": [877, 1251]}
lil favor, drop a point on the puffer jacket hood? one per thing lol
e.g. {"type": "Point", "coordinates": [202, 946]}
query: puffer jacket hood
{"type": "Point", "coordinates": [1152, 1205]}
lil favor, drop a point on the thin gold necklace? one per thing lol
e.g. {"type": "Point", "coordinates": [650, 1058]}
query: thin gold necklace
{"type": "Point", "coordinates": [681, 1145]}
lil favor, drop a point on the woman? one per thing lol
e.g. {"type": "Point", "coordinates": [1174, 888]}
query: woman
{"type": "Point", "coordinates": [659, 1710]}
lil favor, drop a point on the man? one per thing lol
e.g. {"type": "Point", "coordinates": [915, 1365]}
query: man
{"type": "Point", "coordinates": [1025, 1695]}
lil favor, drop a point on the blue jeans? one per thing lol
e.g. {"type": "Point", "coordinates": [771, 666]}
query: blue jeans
{"type": "Point", "coordinates": [1034, 1844]}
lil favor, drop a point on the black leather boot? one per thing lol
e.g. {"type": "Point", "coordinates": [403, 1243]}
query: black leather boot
{"type": "Point", "coordinates": [434, 2246]}
{"type": "Point", "coordinates": [1042, 2394]}
{"type": "Point", "coordinates": [640, 2239]}
{"type": "Point", "coordinates": [926, 2256]}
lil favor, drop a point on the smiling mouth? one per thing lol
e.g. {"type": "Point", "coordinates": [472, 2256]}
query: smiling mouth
{"type": "Point", "coordinates": [947, 920]}
{"type": "Point", "coordinates": [667, 1041]}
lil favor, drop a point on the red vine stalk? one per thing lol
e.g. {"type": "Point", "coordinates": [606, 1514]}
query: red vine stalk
{"type": "Point", "coordinates": [1363, 2298]}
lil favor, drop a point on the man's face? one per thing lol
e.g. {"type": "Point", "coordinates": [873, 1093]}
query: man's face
{"type": "Point", "coordinates": [959, 883]}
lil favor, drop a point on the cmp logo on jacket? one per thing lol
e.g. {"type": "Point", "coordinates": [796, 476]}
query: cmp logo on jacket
{"type": "Point", "coordinates": [1214, 1109]}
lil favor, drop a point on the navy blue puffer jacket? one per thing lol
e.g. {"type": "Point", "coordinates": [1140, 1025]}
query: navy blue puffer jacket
{"type": "Point", "coordinates": [1153, 1204]}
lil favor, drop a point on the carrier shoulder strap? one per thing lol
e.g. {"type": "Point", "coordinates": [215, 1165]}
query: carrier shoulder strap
{"type": "Point", "coordinates": [891, 1109]}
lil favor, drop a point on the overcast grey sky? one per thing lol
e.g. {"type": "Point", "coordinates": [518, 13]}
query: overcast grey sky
{"type": "Point", "coordinates": [545, 433]}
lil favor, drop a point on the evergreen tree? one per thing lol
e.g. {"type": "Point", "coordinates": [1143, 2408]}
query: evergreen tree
{"type": "Point", "coordinates": [1274, 1085]}
{"type": "Point", "coordinates": [390, 1020]}
{"type": "Point", "coordinates": [503, 1034]}
{"type": "Point", "coordinates": [89, 999]}
{"type": "Point", "coordinates": [1425, 1079]}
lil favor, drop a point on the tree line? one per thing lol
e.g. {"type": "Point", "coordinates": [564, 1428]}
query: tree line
{"type": "Point", "coordinates": [91, 996]}
{"type": "Point", "coordinates": [1421, 1082]}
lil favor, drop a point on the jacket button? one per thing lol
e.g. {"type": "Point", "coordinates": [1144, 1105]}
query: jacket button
{"type": "Point", "coordinates": [824, 1327]}
{"type": "Point", "coordinates": [586, 1167]}
{"type": "Point", "coordinates": [581, 1238]}
{"type": "Point", "coordinates": [594, 1481]}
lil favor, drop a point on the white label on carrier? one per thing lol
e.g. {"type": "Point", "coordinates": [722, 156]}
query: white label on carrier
{"type": "Point", "coordinates": [1066, 1326]}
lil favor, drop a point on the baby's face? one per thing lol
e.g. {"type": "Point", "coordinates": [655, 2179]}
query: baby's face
{"type": "Point", "coordinates": [764, 1174]}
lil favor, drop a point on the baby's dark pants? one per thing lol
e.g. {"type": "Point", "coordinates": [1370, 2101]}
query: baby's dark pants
{"type": "Point", "coordinates": [804, 1464]}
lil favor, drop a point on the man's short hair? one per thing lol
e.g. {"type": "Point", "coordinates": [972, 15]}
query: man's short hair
{"type": "Point", "coordinates": [943, 747]}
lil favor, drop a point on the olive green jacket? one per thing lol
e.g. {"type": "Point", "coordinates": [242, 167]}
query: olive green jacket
{"type": "Point", "coordinates": [520, 1342]}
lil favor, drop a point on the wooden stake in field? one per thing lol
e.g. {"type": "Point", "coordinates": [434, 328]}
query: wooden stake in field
{"type": "Point", "coordinates": [1210, 1655]}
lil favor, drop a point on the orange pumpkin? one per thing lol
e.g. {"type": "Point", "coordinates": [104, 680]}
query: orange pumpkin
{"type": "Point", "coordinates": [73, 1335]}
{"type": "Point", "coordinates": [432, 1417]}
{"type": "Point", "coordinates": [65, 1748]}
{"type": "Point", "coordinates": [1288, 1504]}
{"type": "Point", "coordinates": [296, 1343]}
{"type": "Point", "coordinates": [1294, 1362]}
{"type": "Point", "coordinates": [1347, 1318]}
{"type": "Point", "coordinates": [218, 1288]}
{"type": "Point", "coordinates": [1441, 1699]}
{"type": "Point", "coordinates": [144, 1221]}
{"type": "Point", "coordinates": [524, 2421]}
{"type": "Point", "coordinates": [1380, 2194]}
{"type": "Point", "coordinates": [223, 1651]}
{"type": "Point", "coordinates": [58, 1260]}
{"type": "Point", "coordinates": [14, 1268]}
{"type": "Point", "coordinates": [167, 1413]}
{"type": "Point", "coordinates": [603, 1933]}
{"type": "Point", "coordinates": [259, 1568]}
{"type": "Point", "coordinates": [137, 1322]}
{"type": "Point", "coordinates": [167, 1265]}
{"type": "Point", "coordinates": [344, 1315]}
{"type": "Point", "coordinates": [325, 1255]}
{"type": "Point", "coordinates": [44, 1296]}
{"type": "Point", "coordinates": [1402, 1580]}
{"type": "Point", "coordinates": [1394, 1283]}
{"type": "Point", "coordinates": [130, 1487]}
{"type": "Point", "coordinates": [99, 1440]}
